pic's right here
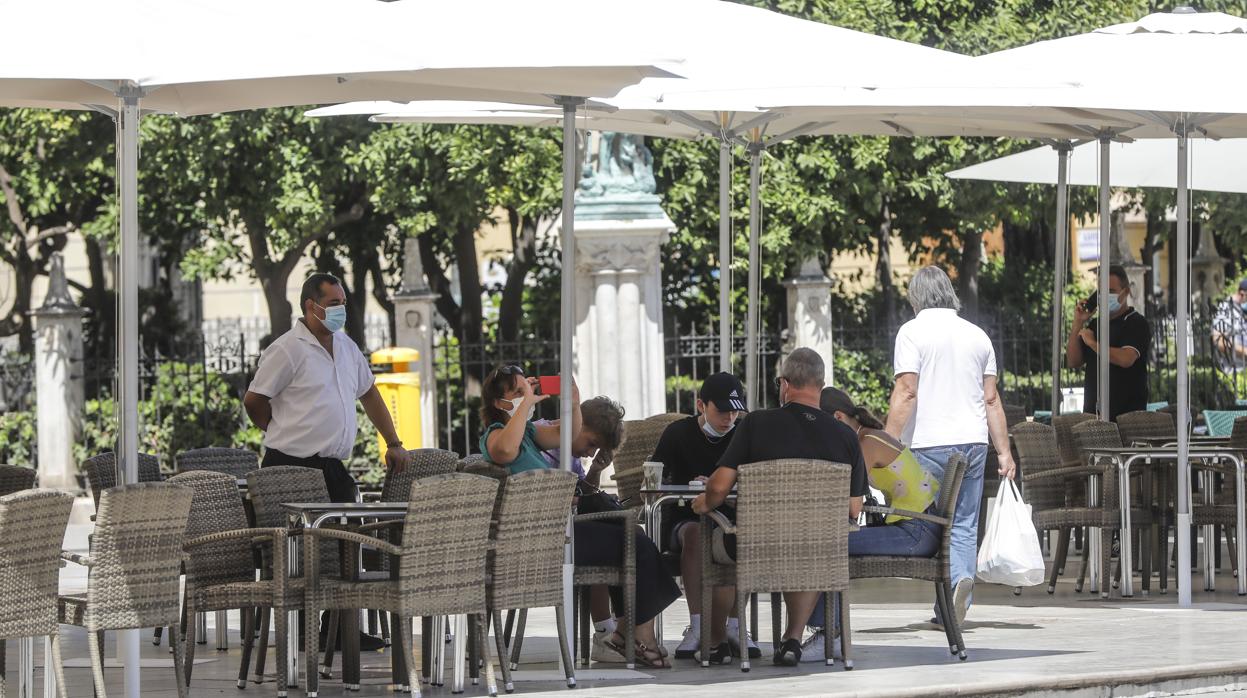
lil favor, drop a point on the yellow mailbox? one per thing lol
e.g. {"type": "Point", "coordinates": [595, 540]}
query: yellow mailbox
{"type": "Point", "coordinates": [400, 388]}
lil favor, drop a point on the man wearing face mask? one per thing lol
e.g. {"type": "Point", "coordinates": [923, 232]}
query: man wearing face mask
{"type": "Point", "coordinates": [1129, 338]}
{"type": "Point", "coordinates": [305, 388]}
{"type": "Point", "coordinates": [689, 450]}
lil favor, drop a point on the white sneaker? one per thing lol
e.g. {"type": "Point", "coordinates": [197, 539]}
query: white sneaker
{"type": "Point", "coordinates": [812, 650]}
{"type": "Point", "coordinates": [691, 643]}
{"type": "Point", "coordinates": [733, 639]}
{"type": "Point", "coordinates": [603, 652]}
{"type": "Point", "coordinates": [961, 599]}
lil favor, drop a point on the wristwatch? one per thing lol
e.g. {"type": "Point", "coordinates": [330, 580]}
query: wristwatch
{"type": "Point", "coordinates": [396, 444]}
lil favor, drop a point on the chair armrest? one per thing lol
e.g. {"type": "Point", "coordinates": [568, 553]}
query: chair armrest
{"type": "Point", "coordinates": [624, 515]}
{"type": "Point", "coordinates": [723, 522]}
{"type": "Point", "coordinates": [84, 560]}
{"type": "Point", "coordinates": [1077, 471]}
{"type": "Point", "coordinates": [353, 537]}
{"type": "Point", "coordinates": [938, 520]}
{"type": "Point", "coordinates": [379, 525]}
{"type": "Point", "coordinates": [630, 472]}
{"type": "Point", "coordinates": [257, 536]}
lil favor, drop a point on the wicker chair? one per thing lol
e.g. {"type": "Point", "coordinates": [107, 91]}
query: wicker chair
{"type": "Point", "coordinates": [1047, 487]}
{"type": "Point", "coordinates": [220, 567]}
{"type": "Point", "coordinates": [526, 564]}
{"type": "Point", "coordinates": [32, 528]}
{"type": "Point", "coordinates": [1014, 414]}
{"type": "Point", "coordinates": [1061, 425]}
{"type": "Point", "coordinates": [231, 461]}
{"type": "Point", "coordinates": [438, 575]}
{"type": "Point", "coordinates": [269, 488]}
{"type": "Point", "coordinates": [1145, 425]}
{"type": "Point", "coordinates": [425, 462]}
{"type": "Point", "coordinates": [470, 459]}
{"type": "Point", "coordinates": [135, 568]}
{"type": "Point", "coordinates": [792, 528]}
{"type": "Point", "coordinates": [102, 472]}
{"type": "Point", "coordinates": [931, 569]}
{"type": "Point", "coordinates": [1098, 434]}
{"type": "Point", "coordinates": [666, 417]}
{"type": "Point", "coordinates": [640, 439]}
{"type": "Point", "coordinates": [15, 478]}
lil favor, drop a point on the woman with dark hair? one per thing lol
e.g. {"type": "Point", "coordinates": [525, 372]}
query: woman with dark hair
{"type": "Point", "coordinates": [892, 469]}
{"type": "Point", "coordinates": [512, 440]}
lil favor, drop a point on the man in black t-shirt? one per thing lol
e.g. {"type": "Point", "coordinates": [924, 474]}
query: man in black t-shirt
{"type": "Point", "coordinates": [799, 429]}
{"type": "Point", "coordinates": [689, 451]}
{"type": "Point", "coordinates": [1129, 339]}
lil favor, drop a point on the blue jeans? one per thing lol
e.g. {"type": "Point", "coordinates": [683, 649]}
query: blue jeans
{"type": "Point", "coordinates": [963, 552]}
{"type": "Point", "coordinates": [909, 538]}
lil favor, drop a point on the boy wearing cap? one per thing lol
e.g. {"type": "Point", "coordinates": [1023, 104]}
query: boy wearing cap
{"type": "Point", "coordinates": [1229, 331]}
{"type": "Point", "coordinates": [689, 450]}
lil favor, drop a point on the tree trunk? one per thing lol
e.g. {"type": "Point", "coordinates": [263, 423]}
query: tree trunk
{"type": "Point", "coordinates": [436, 275]}
{"type": "Point", "coordinates": [883, 266]}
{"type": "Point", "coordinates": [968, 274]}
{"type": "Point", "coordinates": [381, 294]}
{"type": "Point", "coordinates": [357, 301]}
{"type": "Point", "coordinates": [471, 308]}
{"type": "Point", "coordinates": [524, 242]}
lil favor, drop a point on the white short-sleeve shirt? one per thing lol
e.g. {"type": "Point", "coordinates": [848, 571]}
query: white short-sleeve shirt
{"type": "Point", "coordinates": [951, 356]}
{"type": "Point", "coordinates": [313, 394]}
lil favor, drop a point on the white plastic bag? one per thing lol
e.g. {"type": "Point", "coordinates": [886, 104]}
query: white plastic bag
{"type": "Point", "coordinates": [1010, 554]}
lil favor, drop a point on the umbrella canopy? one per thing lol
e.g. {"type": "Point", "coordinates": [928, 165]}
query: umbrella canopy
{"type": "Point", "coordinates": [203, 56]}
{"type": "Point", "coordinates": [1147, 163]}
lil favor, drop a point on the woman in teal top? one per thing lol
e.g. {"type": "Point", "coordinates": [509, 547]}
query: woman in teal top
{"type": "Point", "coordinates": [514, 442]}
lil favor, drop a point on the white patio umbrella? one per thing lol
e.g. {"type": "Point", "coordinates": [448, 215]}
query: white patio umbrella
{"type": "Point", "coordinates": [784, 51]}
{"type": "Point", "coordinates": [1129, 86]}
{"type": "Point", "coordinates": [202, 56]}
{"type": "Point", "coordinates": [1144, 163]}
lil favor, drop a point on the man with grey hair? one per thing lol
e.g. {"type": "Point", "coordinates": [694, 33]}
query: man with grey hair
{"type": "Point", "coordinates": [798, 429]}
{"type": "Point", "coordinates": [945, 403]}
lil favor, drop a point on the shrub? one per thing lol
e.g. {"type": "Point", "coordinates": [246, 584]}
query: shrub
{"type": "Point", "coordinates": [18, 438]}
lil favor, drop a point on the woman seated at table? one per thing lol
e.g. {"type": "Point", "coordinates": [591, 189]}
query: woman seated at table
{"type": "Point", "coordinates": [893, 470]}
{"type": "Point", "coordinates": [508, 402]}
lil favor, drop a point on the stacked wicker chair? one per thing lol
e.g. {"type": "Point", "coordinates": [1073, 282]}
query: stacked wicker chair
{"type": "Point", "coordinates": [526, 564]}
{"type": "Point", "coordinates": [931, 569]}
{"type": "Point", "coordinates": [666, 417]}
{"type": "Point", "coordinates": [134, 569]}
{"type": "Point", "coordinates": [781, 546]}
{"type": "Point", "coordinates": [32, 528]}
{"type": "Point", "coordinates": [15, 478]}
{"type": "Point", "coordinates": [470, 459]}
{"type": "Point", "coordinates": [231, 461]}
{"type": "Point", "coordinates": [220, 567]}
{"type": "Point", "coordinates": [438, 575]}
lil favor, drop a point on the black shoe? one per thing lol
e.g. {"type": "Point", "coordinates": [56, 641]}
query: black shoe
{"type": "Point", "coordinates": [721, 654]}
{"type": "Point", "coordinates": [370, 643]}
{"type": "Point", "coordinates": [789, 653]}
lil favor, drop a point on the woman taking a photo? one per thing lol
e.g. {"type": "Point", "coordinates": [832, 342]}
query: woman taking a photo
{"type": "Point", "coordinates": [511, 440]}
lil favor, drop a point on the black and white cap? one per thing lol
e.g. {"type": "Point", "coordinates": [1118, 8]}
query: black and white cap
{"type": "Point", "coordinates": [724, 391]}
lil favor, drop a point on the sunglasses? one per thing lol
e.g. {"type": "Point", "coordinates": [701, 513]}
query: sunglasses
{"type": "Point", "coordinates": [778, 379]}
{"type": "Point", "coordinates": [511, 370]}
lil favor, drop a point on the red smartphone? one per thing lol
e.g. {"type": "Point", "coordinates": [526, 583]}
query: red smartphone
{"type": "Point", "coordinates": [548, 385]}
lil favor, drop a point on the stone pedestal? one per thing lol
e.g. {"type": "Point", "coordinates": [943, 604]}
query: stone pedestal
{"type": "Point", "coordinates": [619, 328]}
{"type": "Point", "coordinates": [809, 312]}
{"type": "Point", "coordinates": [58, 376]}
{"type": "Point", "coordinates": [413, 328]}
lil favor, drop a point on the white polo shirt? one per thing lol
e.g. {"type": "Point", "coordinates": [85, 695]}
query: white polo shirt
{"type": "Point", "coordinates": [951, 356]}
{"type": "Point", "coordinates": [313, 395]}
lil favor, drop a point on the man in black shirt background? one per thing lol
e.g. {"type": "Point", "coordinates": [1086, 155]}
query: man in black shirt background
{"type": "Point", "coordinates": [799, 429]}
{"type": "Point", "coordinates": [689, 451]}
{"type": "Point", "coordinates": [1129, 339]}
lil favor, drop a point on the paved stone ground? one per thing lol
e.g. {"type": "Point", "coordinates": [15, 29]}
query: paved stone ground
{"type": "Point", "coordinates": [1028, 641]}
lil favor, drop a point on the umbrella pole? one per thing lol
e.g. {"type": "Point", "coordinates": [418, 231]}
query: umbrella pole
{"type": "Point", "coordinates": [725, 254]}
{"type": "Point", "coordinates": [755, 272]}
{"type": "Point", "coordinates": [567, 329]}
{"type": "Point", "coordinates": [1058, 269]}
{"type": "Point", "coordinates": [1183, 298]}
{"type": "Point", "coordinates": [1102, 315]}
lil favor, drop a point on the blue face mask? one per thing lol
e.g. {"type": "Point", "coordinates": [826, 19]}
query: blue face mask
{"type": "Point", "coordinates": [1243, 307]}
{"type": "Point", "coordinates": [1114, 304]}
{"type": "Point", "coordinates": [335, 317]}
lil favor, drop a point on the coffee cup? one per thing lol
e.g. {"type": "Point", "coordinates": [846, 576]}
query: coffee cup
{"type": "Point", "coordinates": [651, 475]}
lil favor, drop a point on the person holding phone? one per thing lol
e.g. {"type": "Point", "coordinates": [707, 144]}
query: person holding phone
{"type": "Point", "coordinates": [1129, 337]}
{"type": "Point", "coordinates": [512, 440]}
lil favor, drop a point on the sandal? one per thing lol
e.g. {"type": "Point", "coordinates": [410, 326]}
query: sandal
{"type": "Point", "coordinates": [650, 658]}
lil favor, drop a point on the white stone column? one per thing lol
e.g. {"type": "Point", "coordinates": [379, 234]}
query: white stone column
{"type": "Point", "coordinates": [413, 328]}
{"type": "Point", "coordinates": [809, 312]}
{"type": "Point", "coordinates": [58, 376]}
{"type": "Point", "coordinates": [619, 330]}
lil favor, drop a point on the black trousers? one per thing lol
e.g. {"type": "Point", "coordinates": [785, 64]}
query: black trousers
{"type": "Point", "coordinates": [601, 543]}
{"type": "Point", "coordinates": [337, 479]}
